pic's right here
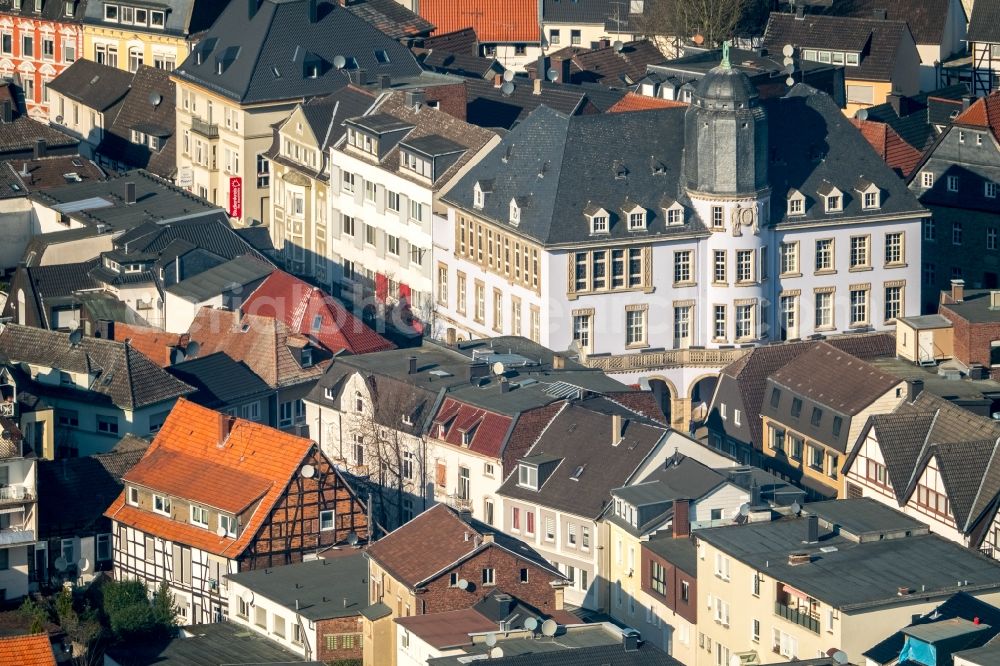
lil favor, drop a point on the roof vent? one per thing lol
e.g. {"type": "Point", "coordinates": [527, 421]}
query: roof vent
{"type": "Point", "coordinates": [798, 558]}
{"type": "Point", "coordinates": [903, 591]}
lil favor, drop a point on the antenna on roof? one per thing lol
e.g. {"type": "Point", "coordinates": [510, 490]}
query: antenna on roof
{"type": "Point", "coordinates": [552, 74]}
{"type": "Point", "coordinates": [491, 639]}
{"type": "Point", "coordinates": [155, 98]}
{"type": "Point", "coordinates": [352, 539]}
{"type": "Point", "coordinates": [839, 657]}
{"type": "Point", "coordinates": [531, 624]}
{"type": "Point", "coordinates": [508, 75]}
{"type": "Point", "coordinates": [496, 653]}
{"type": "Point", "coordinates": [83, 564]}
{"type": "Point", "coordinates": [221, 532]}
{"type": "Point", "coordinates": [339, 61]}
{"type": "Point", "coordinates": [796, 508]}
{"type": "Point", "coordinates": [507, 89]}
{"type": "Point", "coordinates": [618, 46]}
{"type": "Point", "coordinates": [549, 627]}
{"type": "Point", "coordinates": [861, 114]}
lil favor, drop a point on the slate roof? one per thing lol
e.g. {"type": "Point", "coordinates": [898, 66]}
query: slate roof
{"type": "Point", "coordinates": [326, 115]}
{"type": "Point", "coordinates": [317, 590]}
{"type": "Point", "coordinates": [211, 233]}
{"type": "Point", "coordinates": [129, 379]}
{"type": "Point", "coordinates": [983, 113]}
{"type": "Point", "coordinates": [495, 21]}
{"type": "Point", "coordinates": [890, 146]}
{"type": "Point", "coordinates": [280, 37]}
{"type": "Point", "coordinates": [263, 343]}
{"type": "Point", "coordinates": [93, 203]}
{"type": "Point", "coordinates": [31, 650]}
{"type": "Point", "coordinates": [22, 134]}
{"type": "Point", "coordinates": [298, 305]}
{"type": "Point", "coordinates": [92, 84]}
{"type": "Point", "coordinates": [207, 645]}
{"type": "Point", "coordinates": [49, 171]}
{"type": "Point", "coordinates": [51, 285]}
{"type": "Point", "coordinates": [965, 448]}
{"type": "Point", "coordinates": [440, 535]}
{"type": "Point", "coordinates": [391, 17]}
{"type": "Point", "coordinates": [836, 379]}
{"type": "Point", "coordinates": [984, 23]}
{"type": "Point", "coordinates": [918, 115]}
{"type": "Point", "coordinates": [877, 567]}
{"type": "Point", "coordinates": [461, 64]}
{"type": "Point", "coordinates": [580, 11]}
{"type": "Point", "coordinates": [487, 106]}
{"type": "Point", "coordinates": [139, 113]}
{"type": "Point", "coordinates": [581, 436]}
{"type": "Point", "coordinates": [255, 463]}
{"type": "Point", "coordinates": [463, 41]}
{"type": "Point", "coordinates": [219, 380]}
{"type": "Point", "coordinates": [231, 276]}
{"type": "Point", "coordinates": [51, 11]}
{"type": "Point", "coordinates": [926, 18]}
{"type": "Point", "coordinates": [611, 67]}
{"type": "Point", "coordinates": [678, 551]}
{"type": "Point", "coordinates": [183, 17]}
{"type": "Point", "coordinates": [74, 492]}
{"type": "Point", "coordinates": [877, 41]}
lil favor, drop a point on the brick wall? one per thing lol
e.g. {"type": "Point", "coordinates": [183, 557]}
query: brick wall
{"type": "Point", "coordinates": [537, 592]}
{"type": "Point", "coordinates": [972, 340]}
{"type": "Point", "coordinates": [451, 98]}
{"type": "Point", "coordinates": [338, 638]}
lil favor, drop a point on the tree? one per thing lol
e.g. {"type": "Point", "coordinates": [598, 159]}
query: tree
{"type": "Point", "coordinates": [130, 613]}
{"type": "Point", "coordinates": [715, 20]}
{"type": "Point", "coordinates": [166, 613]}
{"type": "Point", "coordinates": [36, 614]}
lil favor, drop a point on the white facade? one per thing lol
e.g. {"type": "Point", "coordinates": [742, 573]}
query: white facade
{"type": "Point", "coordinates": [18, 522]}
{"type": "Point", "coordinates": [273, 621]}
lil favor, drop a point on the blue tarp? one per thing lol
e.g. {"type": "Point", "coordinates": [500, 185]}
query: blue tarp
{"type": "Point", "coordinates": [918, 651]}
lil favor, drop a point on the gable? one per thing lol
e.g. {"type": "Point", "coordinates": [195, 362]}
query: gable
{"type": "Point", "coordinates": [291, 129]}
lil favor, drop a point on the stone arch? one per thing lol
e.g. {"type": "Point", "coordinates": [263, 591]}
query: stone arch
{"type": "Point", "coordinates": [666, 394]}
{"type": "Point", "coordinates": [700, 392]}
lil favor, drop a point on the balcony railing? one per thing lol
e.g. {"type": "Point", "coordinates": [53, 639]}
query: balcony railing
{"type": "Point", "coordinates": [458, 502]}
{"type": "Point", "coordinates": [16, 535]}
{"type": "Point", "coordinates": [666, 358]}
{"type": "Point", "coordinates": [798, 617]}
{"type": "Point", "coordinates": [207, 130]}
{"type": "Point", "coordinates": [16, 493]}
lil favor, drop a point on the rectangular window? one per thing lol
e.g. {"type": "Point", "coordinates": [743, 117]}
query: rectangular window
{"type": "Point", "coordinates": [581, 331]}
{"type": "Point", "coordinates": [927, 179]}
{"type": "Point", "coordinates": [824, 255]}
{"type": "Point", "coordinates": [133, 496]}
{"type": "Point", "coordinates": [480, 315]}
{"type": "Point", "coordinates": [199, 516]}
{"type": "Point", "coordinates": [719, 328]}
{"type": "Point", "coordinates": [990, 190]}
{"type": "Point", "coordinates": [161, 504]}
{"type": "Point", "coordinates": [27, 46]}
{"type": "Point", "coordinates": [824, 309]}
{"type": "Point", "coordinates": [527, 476]}
{"type": "Point", "coordinates": [956, 233]}
{"type": "Point", "coordinates": [789, 258]}
{"type": "Point", "coordinates": [952, 182]}
{"type": "Point", "coordinates": [718, 220]}
{"type": "Point", "coordinates": [744, 266]}
{"type": "Point", "coordinates": [682, 326]}
{"type": "Point", "coordinates": [489, 576]}
{"type": "Point", "coordinates": [228, 523]}
{"type": "Point", "coordinates": [744, 322]}
{"type": "Point", "coordinates": [859, 252]}
{"type": "Point", "coordinates": [635, 327]}
{"type": "Point", "coordinates": [682, 266]}
{"type": "Point", "coordinates": [658, 578]}
{"type": "Point", "coordinates": [103, 547]}
{"type": "Point", "coordinates": [326, 520]}
{"type": "Point", "coordinates": [719, 271]}
{"type": "Point", "coordinates": [894, 248]}
{"type": "Point", "coordinates": [893, 302]}
{"type": "Point", "coordinates": [991, 238]}
{"type": "Point", "coordinates": [859, 307]}
{"type": "Point", "coordinates": [460, 292]}
{"type": "Point", "coordinates": [107, 424]}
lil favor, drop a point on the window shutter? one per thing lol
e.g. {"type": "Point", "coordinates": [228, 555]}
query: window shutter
{"type": "Point", "coordinates": [404, 208]}
{"type": "Point", "coordinates": [335, 179]}
{"type": "Point", "coordinates": [380, 199]}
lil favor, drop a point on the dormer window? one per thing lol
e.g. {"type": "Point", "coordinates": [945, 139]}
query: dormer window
{"type": "Point", "coordinates": [228, 523]}
{"type": "Point", "coordinates": [675, 215]}
{"type": "Point", "coordinates": [515, 212]}
{"type": "Point", "coordinates": [161, 504]}
{"type": "Point", "coordinates": [362, 141]}
{"type": "Point", "coordinates": [307, 357]}
{"type": "Point", "coordinates": [38, 6]}
{"type": "Point", "coordinates": [478, 196]}
{"type": "Point", "coordinates": [598, 218]}
{"type": "Point", "coordinates": [636, 217]}
{"type": "Point", "coordinates": [871, 196]}
{"type": "Point", "coordinates": [871, 200]}
{"type": "Point", "coordinates": [417, 165]}
{"type": "Point", "coordinates": [833, 198]}
{"type": "Point", "coordinates": [527, 476]}
{"type": "Point", "coordinates": [110, 13]}
{"type": "Point", "coordinates": [796, 203]}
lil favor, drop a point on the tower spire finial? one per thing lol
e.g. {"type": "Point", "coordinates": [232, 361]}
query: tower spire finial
{"type": "Point", "coordinates": [725, 64]}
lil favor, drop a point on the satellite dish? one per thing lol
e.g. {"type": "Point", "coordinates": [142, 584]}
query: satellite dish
{"type": "Point", "coordinates": [796, 508]}
{"type": "Point", "coordinates": [507, 89]}
{"type": "Point", "coordinates": [790, 81]}
{"type": "Point", "coordinates": [247, 598]}
{"type": "Point", "coordinates": [531, 624]}
{"type": "Point", "coordinates": [508, 75]}
{"type": "Point", "coordinates": [549, 628]}
{"type": "Point", "coordinates": [463, 584]}
{"type": "Point", "coordinates": [61, 563]}
{"type": "Point", "coordinates": [745, 509]}
{"type": "Point", "coordinates": [498, 368]}
{"type": "Point", "coordinates": [59, 119]}
{"type": "Point", "coordinates": [861, 114]}
{"type": "Point", "coordinates": [221, 532]}
{"type": "Point", "coordinates": [788, 50]}
{"type": "Point", "coordinates": [618, 46]}
{"type": "Point", "coordinates": [788, 62]}
{"type": "Point", "coordinates": [352, 539]}
{"type": "Point", "coordinates": [75, 336]}
{"type": "Point", "coordinates": [83, 564]}
{"type": "Point", "coordinates": [192, 349]}
{"type": "Point", "coordinates": [496, 653]}
{"type": "Point", "coordinates": [491, 639]}
{"type": "Point", "coordinates": [552, 75]}
{"type": "Point", "coordinates": [307, 471]}
{"type": "Point", "coordinates": [839, 657]}
{"type": "Point", "coordinates": [339, 61]}
{"type": "Point", "coordinates": [155, 98]}
{"type": "Point", "coordinates": [734, 660]}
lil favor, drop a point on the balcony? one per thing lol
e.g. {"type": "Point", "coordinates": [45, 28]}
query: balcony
{"type": "Point", "coordinates": [458, 502]}
{"type": "Point", "coordinates": [798, 617]}
{"type": "Point", "coordinates": [17, 535]}
{"type": "Point", "coordinates": [665, 358]}
{"type": "Point", "coordinates": [207, 130]}
{"type": "Point", "coordinates": [14, 494]}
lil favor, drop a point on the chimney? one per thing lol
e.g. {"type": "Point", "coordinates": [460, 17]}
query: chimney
{"type": "Point", "coordinates": [252, 8]}
{"type": "Point", "coordinates": [130, 193]}
{"type": "Point", "coordinates": [478, 371]}
{"type": "Point", "coordinates": [537, 90]}
{"type": "Point", "coordinates": [966, 102]}
{"type": "Point", "coordinates": [411, 365]}
{"type": "Point", "coordinates": [603, 43]}
{"type": "Point", "coordinates": [225, 427]}
{"type": "Point", "coordinates": [812, 529]}
{"type": "Point", "coordinates": [630, 641]}
{"type": "Point", "coordinates": [488, 537]}
{"type": "Point", "coordinates": [897, 101]}
{"type": "Point", "coordinates": [682, 518]}
{"type": "Point", "coordinates": [994, 300]}
{"type": "Point", "coordinates": [497, 80]}
{"type": "Point", "coordinates": [504, 385]}
{"type": "Point", "coordinates": [880, 14]}
{"type": "Point", "coordinates": [313, 11]}
{"type": "Point", "coordinates": [8, 111]}
{"type": "Point", "coordinates": [755, 499]}
{"type": "Point", "coordinates": [450, 336]}
{"type": "Point", "coordinates": [800, 12]}
{"type": "Point", "coordinates": [414, 99]}
{"type": "Point", "coordinates": [558, 362]}
{"type": "Point", "coordinates": [913, 388]}
{"type": "Point", "coordinates": [384, 82]}
{"type": "Point", "coordinates": [957, 290]}
{"type": "Point", "coordinates": [616, 429]}
{"type": "Point", "coordinates": [40, 148]}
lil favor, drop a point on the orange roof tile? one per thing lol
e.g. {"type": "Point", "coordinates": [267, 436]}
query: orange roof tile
{"type": "Point", "coordinates": [634, 102]}
{"type": "Point", "coordinates": [890, 146]}
{"type": "Point", "coordinates": [495, 21]}
{"type": "Point", "coordinates": [252, 454]}
{"type": "Point", "coordinates": [298, 304]}
{"type": "Point", "coordinates": [154, 344]}
{"type": "Point", "coordinates": [33, 650]}
{"type": "Point", "coordinates": [984, 112]}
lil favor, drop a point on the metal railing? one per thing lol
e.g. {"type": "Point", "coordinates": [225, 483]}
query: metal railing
{"type": "Point", "coordinates": [666, 358]}
{"type": "Point", "coordinates": [798, 617]}
{"type": "Point", "coordinates": [16, 535]}
{"type": "Point", "coordinates": [207, 130]}
{"type": "Point", "coordinates": [15, 493]}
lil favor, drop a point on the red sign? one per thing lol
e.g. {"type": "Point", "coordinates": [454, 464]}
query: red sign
{"type": "Point", "coordinates": [236, 197]}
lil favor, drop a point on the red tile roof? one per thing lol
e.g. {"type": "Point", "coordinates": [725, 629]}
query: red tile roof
{"type": "Point", "coordinates": [890, 146]}
{"type": "Point", "coordinates": [635, 102]}
{"type": "Point", "coordinates": [33, 650]}
{"type": "Point", "coordinates": [189, 459]}
{"type": "Point", "coordinates": [984, 112]}
{"type": "Point", "coordinates": [494, 20]}
{"type": "Point", "coordinates": [447, 629]}
{"type": "Point", "coordinates": [490, 429]}
{"type": "Point", "coordinates": [297, 304]}
{"type": "Point", "coordinates": [154, 344]}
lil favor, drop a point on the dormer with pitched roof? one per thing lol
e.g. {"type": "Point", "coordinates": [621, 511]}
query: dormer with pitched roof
{"type": "Point", "coordinates": [796, 202]}
{"type": "Point", "coordinates": [870, 193]}
{"type": "Point", "coordinates": [636, 216]}
{"type": "Point", "coordinates": [833, 198]}
{"type": "Point", "coordinates": [598, 218]}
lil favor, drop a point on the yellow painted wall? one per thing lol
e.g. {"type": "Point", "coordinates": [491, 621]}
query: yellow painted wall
{"type": "Point", "coordinates": [150, 42]}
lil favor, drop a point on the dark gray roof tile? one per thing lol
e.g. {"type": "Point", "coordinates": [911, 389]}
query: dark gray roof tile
{"type": "Point", "coordinates": [92, 84]}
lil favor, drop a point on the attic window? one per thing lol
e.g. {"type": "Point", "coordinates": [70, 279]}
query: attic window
{"type": "Point", "coordinates": [675, 215]}
{"type": "Point", "coordinates": [478, 196]}
{"type": "Point", "coordinates": [307, 357]}
{"type": "Point", "coordinates": [527, 476]}
{"type": "Point", "coordinates": [796, 204]}
{"type": "Point", "coordinates": [834, 201]}
{"type": "Point", "coordinates": [577, 473]}
{"type": "Point", "coordinates": [871, 199]}
{"type": "Point", "coordinates": [817, 416]}
{"type": "Point", "coordinates": [407, 420]}
{"type": "Point", "coordinates": [317, 323]}
{"type": "Point", "coordinates": [853, 59]}
{"type": "Point", "coordinates": [381, 56]}
{"type": "Point", "coordinates": [637, 220]}
{"type": "Point", "coordinates": [838, 423]}
{"type": "Point", "coordinates": [515, 212]}
{"type": "Point", "coordinates": [599, 224]}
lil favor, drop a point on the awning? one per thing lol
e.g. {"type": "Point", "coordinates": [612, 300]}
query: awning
{"type": "Point", "coordinates": [796, 593]}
